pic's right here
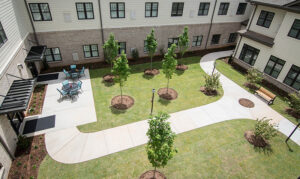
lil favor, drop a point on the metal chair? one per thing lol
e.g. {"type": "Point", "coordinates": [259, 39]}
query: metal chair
{"type": "Point", "coordinates": [79, 84]}
{"type": "Point", "coordinates": [66, 73]}
{"type": "Point", "coordinates": [73, 92]}
{"type": "Point", "coordinates": [73, 66]}
{"type": "Point", "coordinates": [62, 93]}
{"type": "Point", "coordinates": [82, 72]}
{"type": "Point", "coordinates": [66, 84]}
{"type": "Point", "coordinates": [74, 75]}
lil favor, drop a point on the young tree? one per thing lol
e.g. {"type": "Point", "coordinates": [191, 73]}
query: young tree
{"type": "Point", "coordinates": [263, 129]}
{"type": "Point", "coordinates": [121, 70]}
{"type": "Point", "coordinates": [254, 76]}
{"type": "Point", "coordinates": [160, 147]}
{"type": "Point", "coordinates": [212, 82]}
{"type": "Point", "coordinates": [183, 42]}
{"type": "Point", "coordinates": [111, 49]}
{"type": "Point", "coordinates": [151, 45]}
{"type": "Point", "coordinates": [169, 63]}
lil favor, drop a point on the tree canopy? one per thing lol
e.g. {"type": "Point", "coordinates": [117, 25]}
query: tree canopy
{"type": "Point", "coordinates": [111, 49]}
{"type": "Point", "coordinates": [183, 42]}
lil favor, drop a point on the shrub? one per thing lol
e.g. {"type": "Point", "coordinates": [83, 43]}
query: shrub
{"type": "Point", "coordinates": [254, 76]}
{"type": "Point", "coordinates": [294, 102]}
{"type": "Point", "coordinates": [212, 82]}
{"type": "Point", "coordinates": [23, 142]}
{"type": "Point", "coordinates": [135, 54]}
{"type": "Point", "coordinates": [264, 129]}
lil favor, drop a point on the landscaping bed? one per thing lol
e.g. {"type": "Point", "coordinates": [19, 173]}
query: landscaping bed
{"type": "Point", "coordinates": [28, 159]}
{"type": "Point", "coordinates": [37, 100]}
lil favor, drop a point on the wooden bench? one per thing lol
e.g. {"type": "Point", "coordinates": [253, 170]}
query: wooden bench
{"type": "Point", "coordinates": [267, 95]}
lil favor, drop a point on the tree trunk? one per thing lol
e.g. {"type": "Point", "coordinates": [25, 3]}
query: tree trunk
{"type": "Point", "coordinates": [121, 94]}
{"type": "Point", "coordinates": [168, 86]}
{"type": "Point", "coordinates": [111, 65]}
{"type": "Point", "coordinates": [151, 63]}
{"type": "Point", "coordinates": [154, 172]}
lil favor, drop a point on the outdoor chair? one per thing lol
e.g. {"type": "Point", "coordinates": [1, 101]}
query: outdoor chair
{"type": "Point", "coordinates": [62, 93]}
{"type": "Point", "coordinates": [82, 72]}
{"type": "Point", "coordinates": [74, 75]}
{"type": "Point", "coordinates": [66, 84]}
{"type": "Point", "coordinates": [73, 66]}
{"type": "Point", "coordinates": [66, 73]}
{"type": "Point", "coordinates": [79, 84]}
{"type": "Point", "coordinates": [73, 92]}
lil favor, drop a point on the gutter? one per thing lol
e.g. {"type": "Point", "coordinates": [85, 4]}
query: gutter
{"type": "Point", "coordinates": [32, 25]}
{"type": "Point", "coordinates": [211, 21]}
{"type": "Point", "coordinates": [6, 148]}
{"type": "Point", "coordinates": [101, 25]}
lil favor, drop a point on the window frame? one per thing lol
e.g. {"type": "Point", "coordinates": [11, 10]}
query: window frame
{"type": "Point", "coordinates": [173, 38]}
{"type": "Point", "coordinates": [118, 16]}
{"type": "Point", "coordinates": [253, 50]}
{"type": "Point", "coordinates": [91, 51]}
{"type": "Point", "coordinates": [276, 61]}
{"type": "Point", "coordinates": [265, 18]}
{"type": "Point", "coordinates": [177, 9]}
{"type": "Point", "coordinates": [84, 10]}
{"type": "Point", "coordinates": [298, 33]}
{"type": "Point", "coordinates": [219, 35]}
{"type": "Point", "coordinates": [1, 37]}
{"type": "Point", "coordinates": [243, 10]}
{"type": "Point", "coordinates": [52, 54]}
{"type": "Point", "coordinates": [151, 10]}
{"type": "Point", "coordinates": [222, 12]}
{"type": "Point", "coordinates": [40, 12]}
{"type": "Point", "coordinates": [232, 35]}
{"type": "Point", "coordinates": [293, 80]}
{"type": "Point", "coordinates": [197, 36]}
{"type": "Point", "coordinates": [203, 10]}
{"type": "Point", "coordinates": [119, 49]}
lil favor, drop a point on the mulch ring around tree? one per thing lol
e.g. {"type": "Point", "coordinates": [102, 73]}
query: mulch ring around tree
{"type": "Point", "coordinates": [149, 175]}
{"type": "Point", "coordinates": [109, 78]}
{"type": "Point", "coordinates": [246, 103]}
{"type": "Point", "coordinates": [181, 67]}
{"type": "Point", "coordinates": [293, 113]}
{"type": "Point", "coordinates": [208, 92]}
{"type": "Point", "coordinates": [29, 158]}
{"type": "Point", "coordinates": [256, 141]}
{"type": "Point", "coordinates": [171, 95]}
{"type": "Point", "coordinates": [152, 72]}
{"type": "Point", "coordinates": [125, 103]}
{"type": "Point", "coordinates": [251, 86]}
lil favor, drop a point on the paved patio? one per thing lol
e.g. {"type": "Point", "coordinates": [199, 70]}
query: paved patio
{"type": "Point", "coordinates": [71, 146]}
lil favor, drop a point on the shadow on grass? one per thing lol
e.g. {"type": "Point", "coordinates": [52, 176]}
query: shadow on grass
{"type": "Point", "coordinates": [289, 148]}
{"type": "Point", "coordinates": [267, 150]}
{"type": "Point", "coordinates": [148, 77]}
{"type": "Point", "coordinates": [179, 72]}
{"type": "Point", "coordinates": [164, 101]}
{"type": "Point", "coordinates": [108, 84]}
{"type": "Point", "coordinates": [116, 111]}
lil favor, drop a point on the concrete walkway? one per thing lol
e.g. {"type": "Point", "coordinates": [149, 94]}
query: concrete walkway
{"type": "Point", "coordinates": [72, 146]}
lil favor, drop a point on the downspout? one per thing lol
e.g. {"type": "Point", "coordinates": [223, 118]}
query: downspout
{"type": "Point", "coordinates": [6, 148]}
{"type": "Point", "coordinates": [101, 25]}
{"type": "Point", "coordinates": [211, 21]}
{"type": "Point", "coordinates": [31, 22]}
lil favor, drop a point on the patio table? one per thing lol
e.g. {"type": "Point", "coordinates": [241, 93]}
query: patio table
{"type": "Point", "coordinates": [71, 86]}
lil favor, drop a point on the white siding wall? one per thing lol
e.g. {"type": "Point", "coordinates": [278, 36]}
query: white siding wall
{"type": "Point", "coordinates": [16, 26]}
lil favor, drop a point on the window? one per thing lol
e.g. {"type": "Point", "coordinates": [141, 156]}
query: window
{"type": "Point", "coordinates": [117, 10]}
{"type": "Point", "coordinates": [293, 78]}
{"type": "Point", "coordinates": [151, 9]}
{"type": "Point", "coordinates": [197, 41]}
{"type": "Point", "coordinates": [249, 54]}
{"type": "Point", "coordinates": [122, 46]}
{"type": "Point", "coordinates": [274, 66]}
{"type": "Point", "coordinates": [177, 9]}
{"type": "Point", "coordinates": [241, 9]}
{"type": "Point", "coordinates": [203, 9]}
{"type": "Point", "coordinates": [223, 8]}
{"type": "Point", "coordinates": [52, 54]}
{"type": "Point", "coordinates": [232, 37]}
{"type": "Point", "coordinates": [215, 39]}
{"type": "Point", "coordinates": [3, 37]}
{"type": "Point", "coordinates": [40, 11]}
{"type": "Point", "coordinates": [85, 10]}
{"type": "Point", "coordinates": [295, 30]}
{"type": "Point", "coordinates": [90, 51]}
{"type": "Point", "coordinates": [265, 18]}
{"type": "Point", "coordinates": [172, 41]}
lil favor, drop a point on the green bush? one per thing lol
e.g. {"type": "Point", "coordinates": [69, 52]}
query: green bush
{"type": "Point", "coordinates": [254, 76]}
{"type": "Point", "coordinates": [135, 54]}
{"type": "Point", "coordinates": [264, 129]}
{"type": "Point", "coordinates": [294, 102]}
{"type": "Point", "coordinates": [212, 82]}
{"type": "Point", "coordinates": [23, 142]}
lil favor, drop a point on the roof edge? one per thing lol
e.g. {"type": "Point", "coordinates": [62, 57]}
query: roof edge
{"type": "Point", "coordinates": [276, 6]}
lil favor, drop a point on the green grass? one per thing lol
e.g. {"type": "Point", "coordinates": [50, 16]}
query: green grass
{"type": "Point", "coordinates": [215, 151]}
{"type": "Point", "coordinates": [279, 104]}
{"type": "Point", "coordinates": [187, 85]}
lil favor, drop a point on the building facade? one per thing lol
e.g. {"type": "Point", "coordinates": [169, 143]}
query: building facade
{"type": "Point", "coordinates": [270, 44]}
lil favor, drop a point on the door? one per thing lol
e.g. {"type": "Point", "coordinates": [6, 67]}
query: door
{"type": "Point", "coordinates": [32, 68]}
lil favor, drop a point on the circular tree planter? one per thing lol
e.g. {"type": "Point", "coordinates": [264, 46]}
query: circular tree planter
{"type": "Point", "coordinates": [149, 175]}
{"type": "Point", "coordinates": [246, 103]}
{"type": "Point", "coordinates": [293, 113]}
{"type": "Point", "coordinates": [171, 95]}
{"type": "Point", "coordinates": [152, 72]}
{"type": "Point", "coordinates": [109, 78]}
{"type": "Point", "coordinates": [123, 104]}
{"type": "Point", "coordinates": [256, 141]}
{"type": "Point", "coordinates": [181, 67]}
{"type": "Point", "coordinates": [208, 92]}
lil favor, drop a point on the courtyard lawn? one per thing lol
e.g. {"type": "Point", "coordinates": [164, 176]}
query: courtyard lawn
{"type": "Point", "coordinates": [187, 85]}
{"type": "Point", "coordinates": [215, 151]}
{"type": "Point", "coordinates": [279, 104]}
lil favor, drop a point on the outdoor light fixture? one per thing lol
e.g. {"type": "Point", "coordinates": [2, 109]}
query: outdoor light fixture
{"type": "Point", "coordinates": [19, 66]}
{"type": "Point", "coordinates": [153, 92]}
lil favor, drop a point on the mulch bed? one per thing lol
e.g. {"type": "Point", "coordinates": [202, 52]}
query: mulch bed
{"type": "Point", "coordinates": [293, 113]}
{"type": "Point", "coordinates": [109, 78]}
{"type": "Point", "coordinates": [27, 162]}
{"type": "Point", "coordinates": [256, 141]}
{"type": "Point", "coordinates": [171, 95]}
{"type": "Point", "coordinates": [208, 92]}
{"type": "Point", "coordinates": [37, 100]}
{"type": "Point", "coordinates": [246, 103]}
{"type": "Point", "coordinates": [152, 72]}
{"type": "Point", "coordinates": [181, 67]}
{"type": "Point", "coordinates": [149, 175]}
{"type": "Point", "coordinates": [251, 86]}
{"type": "Point", "coordinates": [126, 103]}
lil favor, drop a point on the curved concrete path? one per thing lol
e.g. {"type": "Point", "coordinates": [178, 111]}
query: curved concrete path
{"type": "Point", "coordinates": [72, 146]}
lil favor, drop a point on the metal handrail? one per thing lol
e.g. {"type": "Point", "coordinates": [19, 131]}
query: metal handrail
{"type": "Point", "coordinates": [15, 76]}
